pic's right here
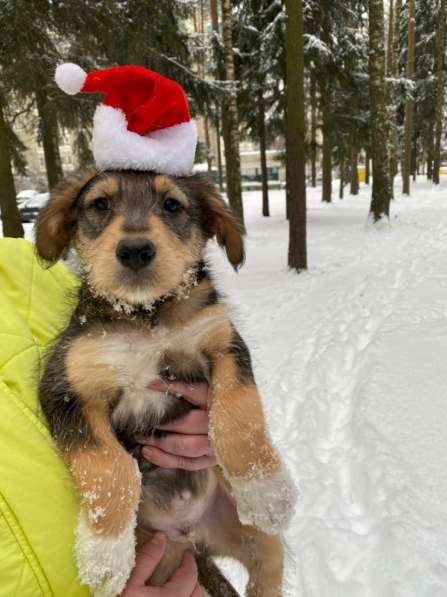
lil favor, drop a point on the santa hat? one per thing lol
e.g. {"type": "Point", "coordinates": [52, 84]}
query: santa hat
{"type": "Point", "coordinates": [143, 122]}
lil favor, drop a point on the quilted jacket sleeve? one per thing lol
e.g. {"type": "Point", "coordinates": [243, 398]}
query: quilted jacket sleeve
{"type": "Point", "coordinates": [38, 506]}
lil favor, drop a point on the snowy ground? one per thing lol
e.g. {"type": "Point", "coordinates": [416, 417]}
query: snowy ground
{"type": "Point", "coordinates": [351, 358]}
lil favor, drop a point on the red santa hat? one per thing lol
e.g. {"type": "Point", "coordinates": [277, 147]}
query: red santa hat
{"type": "Point", "coordinates": [143, 122]}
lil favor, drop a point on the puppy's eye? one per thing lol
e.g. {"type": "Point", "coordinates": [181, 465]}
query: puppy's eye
{"type": "Point", "coordinates": [171, 205]}
{"type": "Point", "coordinates": [101, 204]}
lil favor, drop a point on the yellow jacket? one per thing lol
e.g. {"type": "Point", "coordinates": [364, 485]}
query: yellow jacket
{"type": "Point", "coordinates": [38, 505]}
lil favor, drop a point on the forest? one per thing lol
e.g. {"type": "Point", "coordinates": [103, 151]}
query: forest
{"type": "Point", "coordinates": [337, 84]}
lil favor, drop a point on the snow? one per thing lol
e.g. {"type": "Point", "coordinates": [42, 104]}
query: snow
{"type": "Point", "coordinates": [350, 361]}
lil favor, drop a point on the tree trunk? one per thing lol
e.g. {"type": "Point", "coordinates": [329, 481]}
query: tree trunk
{"type": "Point", "coordinates": [430, 154]}
{"type": "Point", "coordinates": [414, 159]}
{"type": "Point", "coordinates": [440, 60]}
{"type": "Point", "coordinates": [209, 159]}
{"type": "Point", "coordinates": [313, 131]}
{"type": "Point", "coordinates": [392, 68]}
{"type": "Point", "coordinates": [396, 35]}
{"type": "Point", "coordinates": [390, 46]}
{"type": "Point", "coordinates": [49, 136]}
{"type": "Point", "coordinates": [325, 98]}
{"type": "Point", "coordinates": [215, 25]}
{"type": "Point", "coordinates": [295, 135]}
{"type": "Point", "coordinates": [214, 16]}
{"type": "Point", "coordinates": [230, 121]}
{"type": "Point", "coordinates": [409, 104]}
{"type": "Point", "coordinates": [327, 158]}
{"type": "Point", "coordinates": [355, 187]}
{"type": "Point", "coordinates": [341, 192]}
{"type": "Point", "coordinates": [219, 149]}
{"type": "Point", "coordinates": [263, 155]}
{"type": "Point", "coordinates": [367, 166]}
{"type": "Point", "coordinates": [11, 223]}
{"type": "Point", "coordinates": [380, 201]}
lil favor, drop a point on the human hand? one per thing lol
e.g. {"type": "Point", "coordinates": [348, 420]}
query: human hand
{"type": "Point", "coordinates": [183, 583]}
{"type": "Point", "coordinates": [187, 445]}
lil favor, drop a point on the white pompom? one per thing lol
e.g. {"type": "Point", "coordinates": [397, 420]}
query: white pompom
{"type": "Point", "coordinates": [70, 78]}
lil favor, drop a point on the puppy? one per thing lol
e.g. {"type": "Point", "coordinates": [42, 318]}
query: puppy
{"type": "Point", "coordinates": [148, 309]}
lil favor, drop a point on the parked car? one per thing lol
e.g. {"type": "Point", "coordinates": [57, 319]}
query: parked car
{"type": "Point", "coordinates": [31, 207]}
{"type": "Point", "coordinates": [25, 195]}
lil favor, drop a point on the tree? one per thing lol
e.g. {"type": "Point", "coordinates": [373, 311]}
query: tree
{"type": "Point", "coordinates": [394, 16]}
{"type": "Point", "coordinates": [336, 58]}
{"type": "Point", "coordinates": [29, 49]}
{"type": "Point", "coordinates": [313, 131]}
{"type": "Point", "coordinates": [409, 105]}
{"type": "Point", "coordinates": [214, 13]}
{"type": "Point", "coordinates": [258, 27]}
{"type": "Point", "coordinates": [440, 65]}
{"type": "Point", "coordinates": [11, 223]}
{"type": "Point", "coordinates": [295, 135]}
{"type": "Point", "coordinates": [37, 34]}
{"type": "Point", "coordinates": [355, 187]}
{"type": "Point", "coordinates": [423, 86]}
{"type": "Point", "coordinates": [381, 195]}
{"type": "Point", "coordinates": [326, 104]}
{"type": "Point", "coordinates": [230, 120]}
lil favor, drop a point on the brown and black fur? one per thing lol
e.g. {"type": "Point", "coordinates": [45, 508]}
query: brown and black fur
{"type": "Point", "coordinates": [83, 395]}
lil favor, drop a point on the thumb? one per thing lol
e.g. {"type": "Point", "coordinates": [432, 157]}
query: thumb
{"type": "Point", "coordinates": [184, 579]}
{"type": "Point", "coordinates": [147, 560]}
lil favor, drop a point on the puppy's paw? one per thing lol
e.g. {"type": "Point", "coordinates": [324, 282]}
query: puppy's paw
{"type": "Point", "coordinates": [267, 503]}
{"type": "Point", "coordinates": [104, 563]}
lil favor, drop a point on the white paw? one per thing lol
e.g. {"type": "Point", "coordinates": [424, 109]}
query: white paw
{"type": "Point", "coordinates": [267, 503]}
{"type": "Point", "coordinates": [104, 563]}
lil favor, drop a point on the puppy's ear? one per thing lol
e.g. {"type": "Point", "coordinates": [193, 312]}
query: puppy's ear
{"type": "Point", "coordinates": [220, 222]}
{"type": "Point", "coordinates": [56, 222]}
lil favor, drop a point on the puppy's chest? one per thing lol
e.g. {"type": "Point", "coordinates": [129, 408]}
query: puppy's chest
{"type": "Point", "coordinates": [138, 357]}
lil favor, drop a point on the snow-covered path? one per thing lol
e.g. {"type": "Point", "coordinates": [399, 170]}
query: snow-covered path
{"type": "Point", "coordinates": [352, 362]}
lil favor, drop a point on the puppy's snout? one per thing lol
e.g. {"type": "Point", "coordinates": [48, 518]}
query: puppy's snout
{"type": "Point", "coordinates": [135, 253]}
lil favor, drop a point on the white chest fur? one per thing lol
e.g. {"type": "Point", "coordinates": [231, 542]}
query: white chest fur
{"type": "Point", "coordinates": [134, 357]}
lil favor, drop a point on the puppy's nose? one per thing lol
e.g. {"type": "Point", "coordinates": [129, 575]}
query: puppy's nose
{"type": "Point", "coordinates": [135, 253]}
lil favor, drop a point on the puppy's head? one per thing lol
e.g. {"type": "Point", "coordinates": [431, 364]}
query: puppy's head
{"type": "Point", "coordinates": [136, 233]}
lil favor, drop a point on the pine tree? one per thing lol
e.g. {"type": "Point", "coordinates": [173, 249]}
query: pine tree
{"type": "Point", "coordinates": [440, 78]}
{"type": "Point", "coordinates": [230, 119]}
{"type": "Point", "coordinates": [37, 34]}
{"type": "Point", "coordinates": [395, 10]}
{"type": "Point", "coordinates": [295, 134]}
{"type": "Point", "coordinates": [326, 105]}
{"type": "Point", "coordinates": [259, 33]}
{"type": "Point", "coordinates": [28, 50]}
{"type": "Point", "coordinates": [11, 223]}
{"type": "Point", "coordinates": [313, 131]}
{"type": "Point", "coordinates": [336, 56]}
{"type": "Point", "coordinates": [381, 195]}
{"type": "Point", "coordinates": [409, 105]}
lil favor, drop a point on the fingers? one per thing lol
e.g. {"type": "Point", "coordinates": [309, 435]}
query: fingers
{"type": "Point", "coordinates": [195, 393]}
{"type": "Point", "coordinates": [194, 422]}
{"type": "Point", "coordinates": [172, 461]}
{"type": "Point", "coordinates": [198, 592]}
{"type": "Point", "coordinates": [183, 582]}
{"type": "Point", "coordinates": [148, 558]}
{"type": "Point", "coordinates": [177, 444]}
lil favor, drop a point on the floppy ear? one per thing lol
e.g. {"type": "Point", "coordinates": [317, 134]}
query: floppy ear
{"type": "Point", "coordinates": [56, 222]}
{"type": "Point", "coordinates": [220, 222]}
